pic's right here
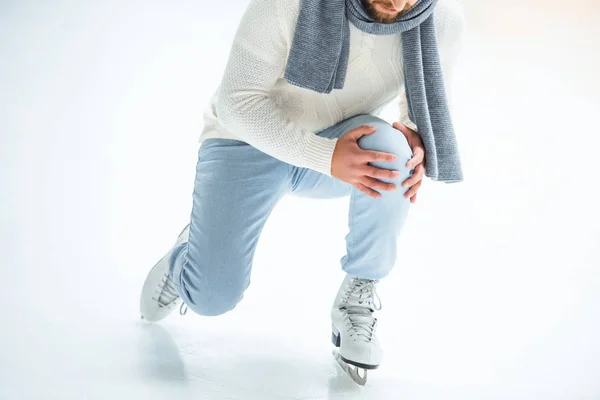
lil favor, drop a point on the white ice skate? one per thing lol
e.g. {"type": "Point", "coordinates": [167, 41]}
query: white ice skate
{"type": "Point", "coordinates": [353, 328]}
{"type": "Point", "coordinates": [159, 294]}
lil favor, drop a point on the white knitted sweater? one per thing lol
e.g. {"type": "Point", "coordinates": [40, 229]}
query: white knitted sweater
{"type": "Point", "coordinates": [255, 104]}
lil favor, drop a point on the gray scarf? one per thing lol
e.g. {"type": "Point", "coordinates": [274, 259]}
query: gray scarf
{"type": "Point", "coordinates": [318, 61]}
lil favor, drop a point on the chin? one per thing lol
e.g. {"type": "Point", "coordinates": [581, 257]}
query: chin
{"type": "Point", "coordinates": [387, 18]}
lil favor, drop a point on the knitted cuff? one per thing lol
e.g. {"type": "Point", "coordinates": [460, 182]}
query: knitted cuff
{"type": "Point", "coordinates": [319, 151]}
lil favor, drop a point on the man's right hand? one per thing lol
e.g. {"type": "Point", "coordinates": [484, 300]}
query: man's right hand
{"type": "Point", "coordinates": [350, 164]}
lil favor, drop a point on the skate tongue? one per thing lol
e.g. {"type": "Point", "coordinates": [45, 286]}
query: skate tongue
{"type": "Point", "coordinates": [362, 294]}
{"type": "Point", "coordinates": [361, 304]}
{"type": "Point", "coordinates": [362, 321]}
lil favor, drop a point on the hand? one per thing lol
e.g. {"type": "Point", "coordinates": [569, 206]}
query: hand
{"type": "Point", "coordinates": [417, 161]}
{"type": "Point", "coordinates": [350, 164]}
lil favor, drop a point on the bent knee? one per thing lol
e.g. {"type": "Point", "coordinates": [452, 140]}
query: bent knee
{"type": "Point", "coordinates": [212, 297]}
{"type": "Point", "coordinates": [213, 302]}
{"type": "Point", "coordinates": [386, 139]}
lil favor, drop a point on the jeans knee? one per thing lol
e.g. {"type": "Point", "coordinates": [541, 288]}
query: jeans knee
{"type": "Point", "coordinates": [387, 139]}
{"type": "Point", "coordinates": [212, 301]}
{"type": "Point", "coordinates": [211, 296]}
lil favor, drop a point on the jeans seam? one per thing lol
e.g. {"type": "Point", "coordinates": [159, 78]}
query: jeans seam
{"type": "Point", "coordinates": [350, 242]}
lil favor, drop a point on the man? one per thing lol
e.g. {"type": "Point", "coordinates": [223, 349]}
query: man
{"type": "Point", "coordinates": [296, 114]}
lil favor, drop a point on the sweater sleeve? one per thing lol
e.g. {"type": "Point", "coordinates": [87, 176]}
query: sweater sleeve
{"type": "Point", "coordinates": [450, 25]}
{"type": "Point", "coordinates": [244, 106]}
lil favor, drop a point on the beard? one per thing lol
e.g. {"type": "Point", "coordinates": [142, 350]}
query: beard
{"type": "Point", "coordinates": [380, 17]}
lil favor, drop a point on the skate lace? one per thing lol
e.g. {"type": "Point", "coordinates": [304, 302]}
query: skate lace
{"type": "Point", "coordinates": [167, 292]}
{"type": "Point", "coordinates": [361, 301]}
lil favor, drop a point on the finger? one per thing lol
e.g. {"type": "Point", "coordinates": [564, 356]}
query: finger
{"type": "Point", "coordinates": [362, 130]}
{"type": "Point", "coordinates": [367, 191]}
{"type": "Point", "coordinates": [414, 198]}
{"type": "Point", "coordinates": [415, 177]}
{"type": "Point", "coordinates": [372, 155]}
{"type": "Point", "coordinates": [377, 184]}
{"type": "Point", "coordinates": [404, 129]}
{"type": "Point", "coordinates": [380, 173]}
{"type": "Point", "coordinates": [413, 190]}
{"type": "Point", "coordinates": [417, 158]}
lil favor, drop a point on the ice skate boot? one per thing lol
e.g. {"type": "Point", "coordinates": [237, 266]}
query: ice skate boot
{"type": "Point", "coordinates": [353, 327]}
{"type": "Point", "coordinates": [159, 294]}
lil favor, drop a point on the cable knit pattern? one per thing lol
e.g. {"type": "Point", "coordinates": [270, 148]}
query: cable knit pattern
{"type": "Point", "coordinates": [255, 104]}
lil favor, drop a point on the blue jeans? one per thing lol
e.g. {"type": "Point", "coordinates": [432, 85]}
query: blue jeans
{"type": "Point", "coordinates": [237, 187]}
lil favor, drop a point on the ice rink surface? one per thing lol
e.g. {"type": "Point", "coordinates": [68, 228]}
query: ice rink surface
{"type": "Point", "coordinates": [496, 291]}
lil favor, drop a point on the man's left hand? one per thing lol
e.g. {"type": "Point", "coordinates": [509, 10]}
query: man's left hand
{"type": "Point", "coordinates": [417, 161]}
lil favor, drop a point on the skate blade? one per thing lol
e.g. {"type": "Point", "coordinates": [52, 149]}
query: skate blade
{"type": "Point", "coordinates": [351, 370]}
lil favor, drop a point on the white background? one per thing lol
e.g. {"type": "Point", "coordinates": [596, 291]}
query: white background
{"type": "Point", "coordinates": [496, 291]}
